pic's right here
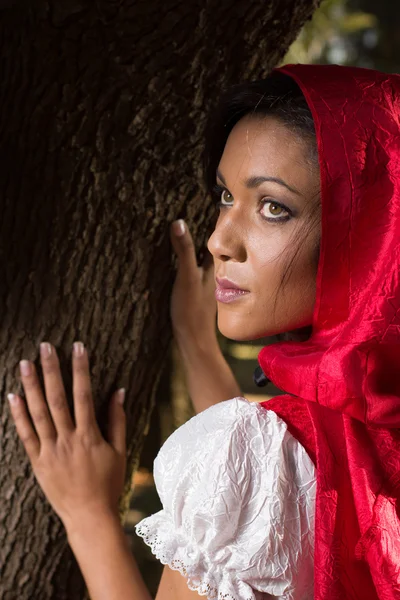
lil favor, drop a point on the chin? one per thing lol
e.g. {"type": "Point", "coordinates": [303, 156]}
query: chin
{"type": "Point", "coordinates": [241, 330]}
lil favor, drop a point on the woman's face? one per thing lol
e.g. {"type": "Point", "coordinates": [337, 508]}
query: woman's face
{"type": "Point", "coordinates": [269, 220]}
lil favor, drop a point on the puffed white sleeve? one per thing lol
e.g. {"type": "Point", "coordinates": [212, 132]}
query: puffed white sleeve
{"type": "Point", "coordinates": [238, 497]}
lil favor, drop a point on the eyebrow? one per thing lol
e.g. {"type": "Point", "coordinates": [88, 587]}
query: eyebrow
{"type": "Point", "coordinates": [257, 180]}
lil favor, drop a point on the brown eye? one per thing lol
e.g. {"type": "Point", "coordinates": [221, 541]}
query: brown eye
{"type": "Point", "coordinates": [226, 198]}
{"type": "Point", "coordinates": [272, 210]}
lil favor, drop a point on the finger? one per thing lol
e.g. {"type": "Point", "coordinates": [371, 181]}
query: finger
{"type": "Point", "coordinates": [54, 387]}
{"type": "Point", "coordinates": [36, 402]}
{"type": "Point", "coordinates": [183, 245]}
{"type": "Point", "coordinates": [85, 416]}
{"type": "Point", "coordinates": [117, 422]}
{"type": "Point", "coordinates": [24, 427]}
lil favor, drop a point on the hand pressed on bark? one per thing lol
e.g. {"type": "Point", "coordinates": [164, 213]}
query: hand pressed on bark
{"type": "Point", "coordinates": [193, 304]}
{"type": "Point", "coordinates": [78, 470]}
{"type": "Point", "coordinates": [82, 475]}
{"type": "Point", "coordinates": [193, 312]}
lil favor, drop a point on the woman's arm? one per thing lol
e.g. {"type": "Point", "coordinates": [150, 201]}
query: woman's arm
{"type": "Point", "coordinates": [81, 474]}
{"type": "Point", "coordinates": [193, 313]}
{"type": "Point", "coordinates": [173, 586]}
{"type": "Point", "coordinates": [209, 378]}
{"type": "Point", "coordinates": [104, 557]}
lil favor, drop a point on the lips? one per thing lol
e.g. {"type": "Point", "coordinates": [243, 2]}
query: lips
{"type": "Point", "coordinates": [227, 291]}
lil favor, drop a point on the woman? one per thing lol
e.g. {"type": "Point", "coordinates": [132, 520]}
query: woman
{"type": "Point", "coordinates": [243, 518]}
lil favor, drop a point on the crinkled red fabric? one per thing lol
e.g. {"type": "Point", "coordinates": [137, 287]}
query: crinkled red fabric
{"type": "Point", "coordinates": [343, 384]}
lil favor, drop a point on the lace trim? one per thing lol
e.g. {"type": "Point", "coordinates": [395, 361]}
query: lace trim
{"type": "Point", "coordinates": [203, 586]}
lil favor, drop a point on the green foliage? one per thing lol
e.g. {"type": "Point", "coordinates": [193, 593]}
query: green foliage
{"type": "Point", "coordinates": [327, 36]}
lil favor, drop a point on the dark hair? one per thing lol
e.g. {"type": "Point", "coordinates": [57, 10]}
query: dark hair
{"type": "Point", "coordinates": [278, 96]}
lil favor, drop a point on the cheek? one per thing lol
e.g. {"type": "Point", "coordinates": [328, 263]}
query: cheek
{"type": "Point", "coordinates": [285, 286]}
{"type": "Point", "coordinates": [267, 263]}
{"type": "Point", "coordinates": [298, 289]}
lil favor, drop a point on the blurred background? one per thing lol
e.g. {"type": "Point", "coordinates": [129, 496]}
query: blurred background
{"type": "Point", "coordinates": [363, 33]}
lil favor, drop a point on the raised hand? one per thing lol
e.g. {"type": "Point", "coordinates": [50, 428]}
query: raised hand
{"type": "Point", "coordinates": [193, 312]}
{"type": "Point", "coordinates": [193, 304]}
{"type": "Point", "coordinates": [79, 471]}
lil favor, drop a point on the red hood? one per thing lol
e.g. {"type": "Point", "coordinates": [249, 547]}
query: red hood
{"type": "Point", "coordinates": [352, 361]}
{"type": "Point", "coordinates": [344, 381]}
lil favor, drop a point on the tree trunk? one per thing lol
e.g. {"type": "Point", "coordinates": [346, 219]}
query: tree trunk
{"type": "Point", "coordinates": [102, 112]}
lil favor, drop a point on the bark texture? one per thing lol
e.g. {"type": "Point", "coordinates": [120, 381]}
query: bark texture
{"type": "Point", "coordinates": [102, 113]}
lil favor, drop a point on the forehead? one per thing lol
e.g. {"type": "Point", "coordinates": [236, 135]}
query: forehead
{"type": "Point", "coordinates": [265, 146]}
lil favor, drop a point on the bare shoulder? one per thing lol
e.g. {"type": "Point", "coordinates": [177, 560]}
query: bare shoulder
{"type": "Point", "coordinates": [173, 586]}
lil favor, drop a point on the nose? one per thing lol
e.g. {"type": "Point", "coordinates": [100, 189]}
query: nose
{"type": "Point", "coordinates": [227, 242]}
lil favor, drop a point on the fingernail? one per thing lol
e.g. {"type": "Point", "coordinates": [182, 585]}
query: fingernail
{"type": "Point", "coordinates": [78, 348]}
{"type": "Point", "coordinates": [178, 227]}
{"type": "Point", "coordinates": [45, 350]}
{"type": "Point", "coordinates": [25, 367]}
{"type": "Point", "coordinates": [121, 396]}
{"type": "Point", "coordinates": [12, 398]}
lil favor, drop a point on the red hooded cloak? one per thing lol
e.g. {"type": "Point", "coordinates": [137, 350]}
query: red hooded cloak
{"type": "Point", "coordinates": [343, 384]}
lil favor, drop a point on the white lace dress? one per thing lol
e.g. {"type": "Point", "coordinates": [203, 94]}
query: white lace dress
{"type": "Point", "coordinates": [238, 496]}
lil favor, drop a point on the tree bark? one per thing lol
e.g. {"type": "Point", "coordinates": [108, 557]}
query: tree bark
{"type": "Point", "coordinates": [102, 114]}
